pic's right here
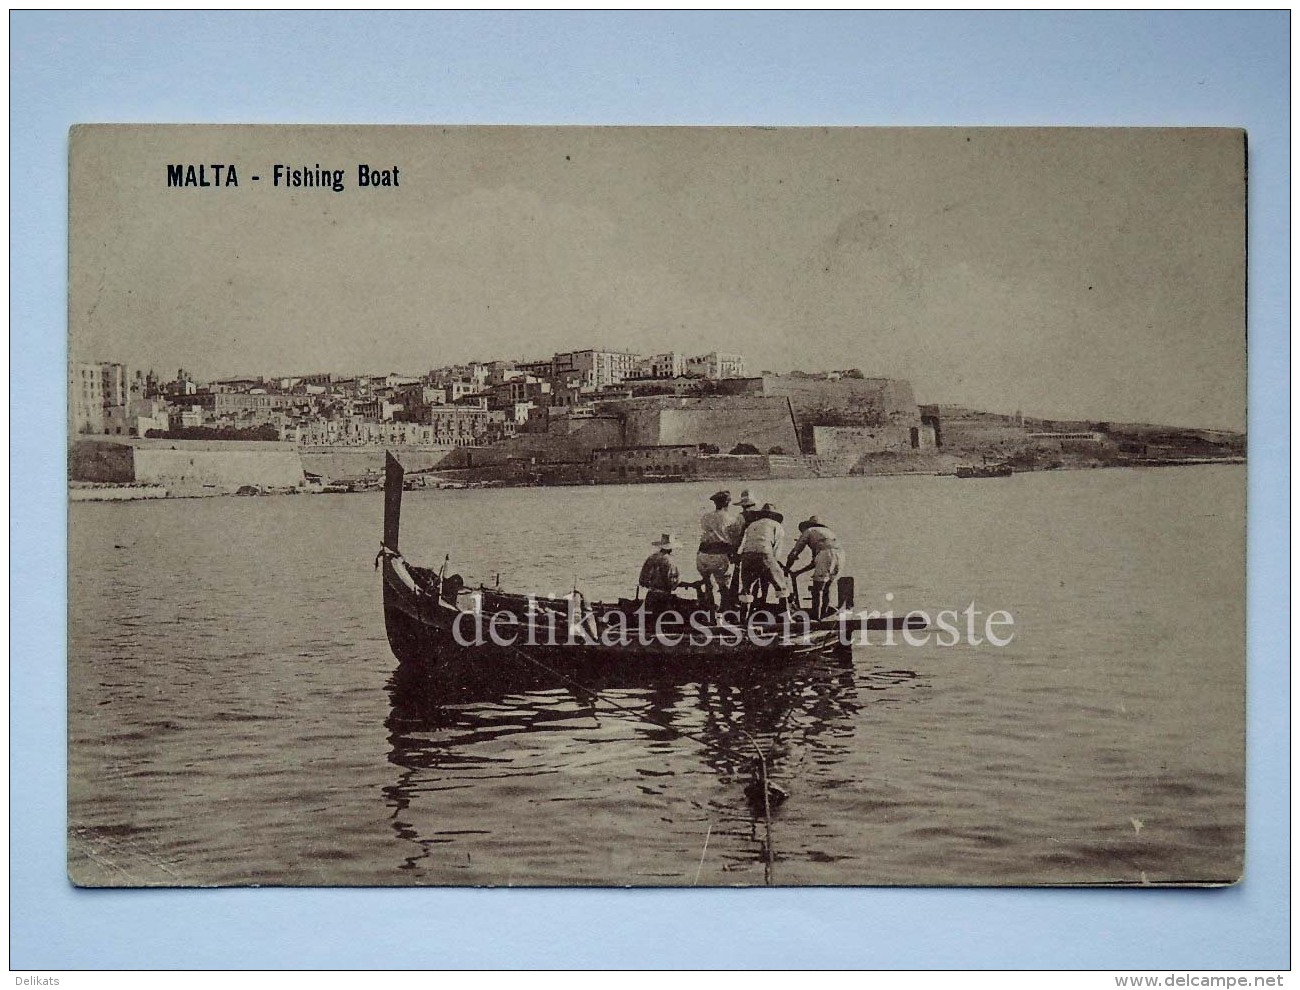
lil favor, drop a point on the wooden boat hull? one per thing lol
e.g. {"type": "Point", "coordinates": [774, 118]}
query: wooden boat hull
{"type": "Point", "coordinates": [433, 622]}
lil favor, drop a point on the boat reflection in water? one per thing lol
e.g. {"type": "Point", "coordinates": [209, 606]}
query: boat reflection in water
{"type": "Point", "coordinates": [586, 759]}
{"type": "Point", "coordinates": [512, 784]}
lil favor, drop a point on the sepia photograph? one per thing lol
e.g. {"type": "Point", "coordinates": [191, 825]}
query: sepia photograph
{"type": "Point", "coordinates": [466, 506]}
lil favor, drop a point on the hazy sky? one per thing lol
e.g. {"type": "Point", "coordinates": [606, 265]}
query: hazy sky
{"type": "Point", "coordinates": [1073, 273]}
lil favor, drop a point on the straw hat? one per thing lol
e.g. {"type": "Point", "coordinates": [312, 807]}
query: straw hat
{"type": "Point", "coordinates": [769, 511]}
{"type": "Point", "coordinates": [666, 542]}
{"type": "Point", "coordinates": [720, 498]}
{"type": "Point", "coordinates": [747, 500]}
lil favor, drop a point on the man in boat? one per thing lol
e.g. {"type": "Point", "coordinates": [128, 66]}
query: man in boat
{"type": "Point", "coordinates": [748, 508]}
{"type": "Point", "coordinates": [720, 533]}
{"type": "Point", "coordinates": [749, 511]}
{"type": "Point", "coordinates": [659, 575]}
{"type": "Point", "coordinates": [758, 555]}
{"type": "Point", "coordinates": [828, 560]}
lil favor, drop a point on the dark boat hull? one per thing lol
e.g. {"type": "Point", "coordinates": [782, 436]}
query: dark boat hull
{"type": "Point", "coordinates": [435, 624]}
{"type": "Point", "coordinates": [422, 631]}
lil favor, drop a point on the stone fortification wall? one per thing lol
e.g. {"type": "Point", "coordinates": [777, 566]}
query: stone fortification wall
{"type": "Point", "coordinates": [737, 386]}
{"type": "Point", "coordinates": [981, 435]}
{"type": "Point", "coordinates": [792, 467]}
{"type": "Point", "coordinates": [734, 466]}
{"type": "Point", "coordinates": [235, 465]}
{"type": "Point", "coordinates": [98, 460]}
{"type": "Point", "coordinates": [182, 464]}
{"type": "Point", "coordinates": [851, 442]}
{"type": "Point", "coordinates": [971, 430]}
{"type": "Point", "coordinates": [331, 462]}
{"type": "Point", "coordinates": [846, 401]}
{"type": "Point", "coordinates": [763, 422]}
{"type": "Point", "coordinates": [567, 440]}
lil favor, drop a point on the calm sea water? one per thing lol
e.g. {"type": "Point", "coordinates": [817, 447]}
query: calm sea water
{"type": "Point", "coordinates": [235, 714]}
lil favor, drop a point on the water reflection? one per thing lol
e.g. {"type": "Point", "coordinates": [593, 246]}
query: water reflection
{"type": "Point", "coordinates": [467, 751]}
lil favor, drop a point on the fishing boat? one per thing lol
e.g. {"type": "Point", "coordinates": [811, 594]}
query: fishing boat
{"type": "Point", "coordinates": [436, 620]}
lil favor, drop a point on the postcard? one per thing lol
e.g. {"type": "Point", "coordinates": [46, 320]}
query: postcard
{"type": "Point", "coordinates": [656, 506]}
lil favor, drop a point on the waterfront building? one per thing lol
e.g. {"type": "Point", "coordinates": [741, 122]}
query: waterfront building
{"type": "Point", "coordinates": [645, 463]}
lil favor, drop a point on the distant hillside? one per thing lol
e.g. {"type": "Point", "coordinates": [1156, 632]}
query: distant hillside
{"type": "Point", "coordinates": [1031, 441]}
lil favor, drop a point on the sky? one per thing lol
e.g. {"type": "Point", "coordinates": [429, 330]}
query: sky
{"type": "Point", "coordinates": [1068, 273]}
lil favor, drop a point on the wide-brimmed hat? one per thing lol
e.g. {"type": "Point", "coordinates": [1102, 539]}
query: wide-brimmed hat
{"type": "Point", "coordinates": [667, 542]}
{"type": "Point", "coordinates": [769, 511]}
{"type": "Point", "coordinates": [811, 521]}
{"type": "Point", "coordinates": [720, 497]}
{"type": "Point", "coordinates": [747, 500]}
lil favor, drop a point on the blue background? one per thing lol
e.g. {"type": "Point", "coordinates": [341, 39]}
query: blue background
{"type": "Point", "coordinates": [1227, 69]}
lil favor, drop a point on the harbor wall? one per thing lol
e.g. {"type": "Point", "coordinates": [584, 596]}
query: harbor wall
{"type": "Point", "coordinates": [976, 435]}
{"type": "Point", "coordinates": [116, 493]}
{"type": "Point", "coordinates": [355, 462]}
{"type": "Point", "coordinates": [228, 467]}
{"type": "Point", "coordinates": [568, 440]}
{"type": "Point", "coordinates": [763, 422]}
{"type": "Point", "coordinates": [851, 442]}
{"type": "Point", "coordinates": [960, 429]}
{"type": "Point", "coordinates": [184, 464]}
{"type": "Point", "coordinates": [745, 466]}
{"type": "Point", "coordinates": [101, 460]}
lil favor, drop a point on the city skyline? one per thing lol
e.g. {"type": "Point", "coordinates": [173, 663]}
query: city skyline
{"type": "Point", "coordinates": [344, 374]}
{"type": "Point", "coordinates": [1085, 274]}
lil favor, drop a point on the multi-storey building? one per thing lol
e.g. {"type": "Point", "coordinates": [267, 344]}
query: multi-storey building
{"type": "Point", "coordinates": [237, 404]}
{"type": "Point", "coordinates": [502, 371]}
{"type": "Point", "coordinates": [598, 368]}
{"type": "Point", "coordinates": [148, 414]}
{"type": "Point", "coordinates": [459, 425]}
{"type": "Point", "coordinates": [670, 365]}
{"type": "Point", "coordinates": [457, 389]}
{"type": "Point", "coordinates": [98, 394]}
{"type": "Point", "coordinates": [544, 368]}
{"type": "Point", "coordinates": [376, 408]}
{"type": "Point", "coordinates": [715, 365]}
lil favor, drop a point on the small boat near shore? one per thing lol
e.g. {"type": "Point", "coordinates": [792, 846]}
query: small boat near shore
{"type": "Point", "coordinates": [984, 471]}
{"type": "Point", "coordinates": [436, 620]}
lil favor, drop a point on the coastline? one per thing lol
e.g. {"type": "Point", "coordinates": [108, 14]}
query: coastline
{"type": "Point", "coordinates": [86, 491]}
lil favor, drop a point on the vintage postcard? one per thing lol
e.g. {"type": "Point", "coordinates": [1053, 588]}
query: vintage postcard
{"type": "Point", "coordinates": [656, 506]}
